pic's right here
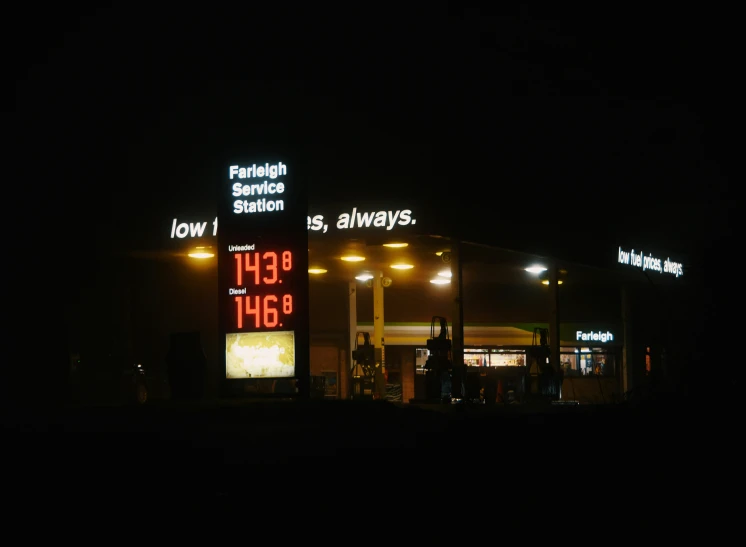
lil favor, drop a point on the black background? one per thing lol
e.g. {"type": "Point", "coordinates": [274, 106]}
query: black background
{"type": "Point", "coordinates": [531, 106]}
{"type": "Point", "coordinates": [587, 126]}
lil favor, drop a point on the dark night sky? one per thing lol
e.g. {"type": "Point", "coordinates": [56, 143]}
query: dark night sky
{"type": "Point", "coordinates": [588, 126]}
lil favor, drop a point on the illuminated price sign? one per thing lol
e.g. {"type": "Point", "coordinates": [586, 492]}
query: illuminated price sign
{"type": "Point", "coordinates": [263, 273]}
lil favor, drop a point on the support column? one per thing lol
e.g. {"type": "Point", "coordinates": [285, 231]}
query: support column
{"type": "Point", "coordinates": [457, 322]}
{"type": "Point", "coordinates": [554, 317]}
{"type": "Point", "coordinates": [458, 377]}
{"type": "Point", "coordinates": [378, 341]}
{"type": "Point", "coordinates": [626, 347]}
{"type": "Point", "coordinates": [352, 327]}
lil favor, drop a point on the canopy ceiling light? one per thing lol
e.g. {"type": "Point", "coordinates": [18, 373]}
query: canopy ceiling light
{"type": "Point", "coordinates": [395, 245]}
{"type": "Point", "coordinates": [402, 266]}
{"type": "Point", "coordinates": [201, 252]}
{"type": "Point", "coordinates": [353, 251]}
{"type": "Point", "coordinates": [536, 269]}
{"type": "Point", "coordinates": [445, 273]}
{"type": "Point", "coordinates": [317, 271]}
{"type": "Point", "coordinates": [544, 277]}
{"type": "Point", "coordinates": [364, 276]}
{"type": "Point", "coordinates": [440, 281]}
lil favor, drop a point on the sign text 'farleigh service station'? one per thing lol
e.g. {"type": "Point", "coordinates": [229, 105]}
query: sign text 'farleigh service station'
{"type": "Point", "coordinates": [266, 194]}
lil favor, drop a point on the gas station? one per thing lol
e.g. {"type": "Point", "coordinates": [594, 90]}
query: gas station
{"type": "Point", "coordinates": [374, 299]}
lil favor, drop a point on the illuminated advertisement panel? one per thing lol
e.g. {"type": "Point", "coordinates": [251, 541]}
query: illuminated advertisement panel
{"type": "Point", "coordinates": [260, 354]}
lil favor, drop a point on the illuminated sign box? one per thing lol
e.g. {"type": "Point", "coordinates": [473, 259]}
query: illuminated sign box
{"type": "Point", "coordinates": [262, 271]}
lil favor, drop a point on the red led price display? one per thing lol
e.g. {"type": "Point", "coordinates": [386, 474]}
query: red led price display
{"type": "Point", "coordinates": [262, 289]}
{"type": "Point", "coordinates": [264, 267]}
{"type": "Point", "coordinates": [265, 311]}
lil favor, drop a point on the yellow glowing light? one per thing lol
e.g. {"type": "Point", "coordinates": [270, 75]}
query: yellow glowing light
{"type": "Point", "coordinates": [445, 273]}
{"type": "Point", "coordinates": [402, 266]}
{"type": "Point", "coordinates": [364, 277]}
{"type": "Point", "coordinates": [395, 245]}
{"type": "Point", "coordinates": [353, 258]}
{"type": "Point", "coordinates": [536, 269]}
{"type": "Point", "coordinates": [202, 252]}
{"type": "Point", "coordinates": [546, 282]}
{"type": "Point", "coordinates": [440, 281]}
{"type": "Point", "coordinates": [316, 271]}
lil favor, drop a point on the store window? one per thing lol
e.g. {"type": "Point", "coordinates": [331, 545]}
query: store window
{"type": "Point", "coordinates": [507, 358]}
{"type": "Point", "coordinates": [479, 357]}
{"type": "Point", "coordinates": [494, 357]}
{"type": "Point", "coordinates": [586, 361]}
{"type": "Point", "coordinates": [476, 357]}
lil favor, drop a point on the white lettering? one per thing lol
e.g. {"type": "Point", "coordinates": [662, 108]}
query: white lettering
{"type": "Point", "coordinates": [392, 219]}
{"type": "Point", "coordinates": [598, 336]}
{"type": "Point", "coordinates": [364, 219]}
{"type": "Point", "coordinates": [193, 229]}
{"type": "Point", "coordinates": [261, 205]}
{"type": "Point", "coordinates": [405, 218]}
{"type": "Point", "coordinates": [623, 257]}
{"type": "Point", "coordinates": [258, 189]}
{"type": "Point", "coordinates": [316, 223]}
{"type": "Point", "coordinates": [377, 219]}
{"type": "Point", "coordinates": [197, 229]}
{"type": "Point", "coordinates": [649, 262]}
{"type": "Point", "coordinates": [345, 221]}
{"type": "Point", "coordinates": [271, 170]}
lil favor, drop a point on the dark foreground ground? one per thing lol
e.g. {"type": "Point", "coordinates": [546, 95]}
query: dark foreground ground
{"type": "Point", "coordinates": [263, 450]}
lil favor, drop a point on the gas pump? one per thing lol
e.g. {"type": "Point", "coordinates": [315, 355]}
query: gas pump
{"type": "Point", "coordinates": [543, 381]}
{"type": "Point", "coordinates": [364, 369]}
{"type": "Point", "coordinates": [439, 366]}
